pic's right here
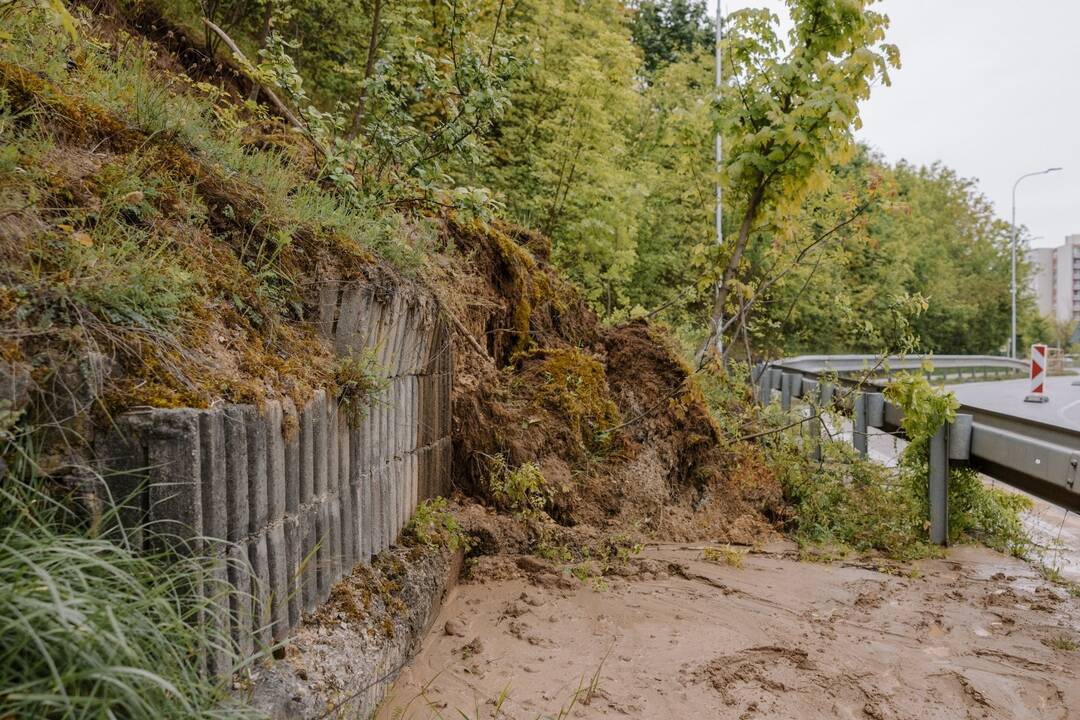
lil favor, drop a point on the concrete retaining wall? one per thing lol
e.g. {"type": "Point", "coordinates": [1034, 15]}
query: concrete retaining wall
{"type": "Point", "coordinates": [289, 499]}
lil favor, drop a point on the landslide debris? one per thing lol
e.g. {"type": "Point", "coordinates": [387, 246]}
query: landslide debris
{"type": "Point", "coordinates": [611, 416]}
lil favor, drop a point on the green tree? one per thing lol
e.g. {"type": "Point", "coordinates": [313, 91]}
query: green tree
{"type": "Point", "coordinates": [788, 113]}
{"type": "Point", "coordinates": [560, 158]}
{"type": "Point", "coordinates": [668, 30]}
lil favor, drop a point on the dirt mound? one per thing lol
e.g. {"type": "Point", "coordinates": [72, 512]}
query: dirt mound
{"type": "Point", "coordinates": [612, 417]}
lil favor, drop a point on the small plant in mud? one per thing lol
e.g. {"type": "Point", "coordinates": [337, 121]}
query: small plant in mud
{"type": "Point", "coordinates": [725, 555]}
{"type": "Point", "coordinates": [1054, 575]}
{"type": "Point", "coordinates": [521, 490]}
{"type": "Point", "coordinates": [1060, 642]}
{"type": "Point", "coordinates": [553, 553]}
{"type": "Point", "coordinates": [433, 525]}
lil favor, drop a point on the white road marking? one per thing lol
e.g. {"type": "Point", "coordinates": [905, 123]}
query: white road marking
{"type": "Point", "coordinates": [1062, 412]}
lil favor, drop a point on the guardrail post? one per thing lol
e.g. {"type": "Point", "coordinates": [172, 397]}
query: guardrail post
{"type": "Point", "coordinates": [787, 380]}
{"type": "Point", "coordinates": [960, 437]}
{"type": "Point", "coordinates": [875, 410]}
{"type": "Point", "coordinates": [814, 426]}
{"type": "Point", "coordinates": [858, 430]}
{"type": "Point", "coordinates": [939, 486]}
{"type": "Point", "coordinates": [765, 386]}
{"type": "Point", "coordinates": [825, 393]}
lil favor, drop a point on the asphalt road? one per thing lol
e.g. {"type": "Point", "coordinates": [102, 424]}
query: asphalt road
{"type": "Point", "coordinates": [1007, 396]}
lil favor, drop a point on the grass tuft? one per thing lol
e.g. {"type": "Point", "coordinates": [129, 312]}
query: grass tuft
{"type": "Point", "coordinates": [91, 628]}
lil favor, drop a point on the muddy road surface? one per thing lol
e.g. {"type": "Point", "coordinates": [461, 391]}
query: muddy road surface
{"type": "Point", "coordinates": [973, 635]}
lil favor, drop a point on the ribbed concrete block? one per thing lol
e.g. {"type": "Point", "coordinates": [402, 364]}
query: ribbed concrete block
{"type": "Point", "coordinates": [414, 483]}
{"type": "Point", "coordinates": [345, 495]}
{"type": "Point", "coordinates": [329, 290]}
{"type": "Point", "coordinates": [405, 364]}
{"type": "Point", "coordinates": [214, 479]}
{"type": "Point", "coordinates": [307, 454]}
{"type": "Point", "coordinates": [374, 324]}
{"type": "Point", "coordinates": [260, 590]}
{"type": "Point", "coordinates": [423, 347]}
{"type": "Point", "coordinates": [357, 483]}
{"type": "Point", "coordinates": [121, 457]}
{"type": "Point", "coordinates": [324, 554]}
{"type": "Point", "coordinates": [332, 450]}
{"type": "Point", "coordinates": [294, 555]}
{"type": "Point", "coordinates": [319, 428]}
{"type": "Point", "coordinates": [255, 425]}
{"type": "Point", "coordinates": [448, 403]}
{"type": "Point", "coordinates": [174, 455]}
{"type": "Point", "coordinates": [421, 472]}
{"type": "Point", "coordinates": [352, 517]}
{"type": "Point", "coordinates": [275, 462]}
{"type": "Point", "coordinates": [420, 335]}
{"type": "Point", "coordinates": [389, 513]}
{"type": "Point", "coordinates": [217, 589]}
{"type": "Point", "coordinates": [309, 559]}
{"type": "Point", "coordinates": [291, 429]}
{"type": "Point", "coordinates": [336, 540]}
{"type": "Point", "coordinates": [390, 439]}
{"type": "Point", "coordinates": [413, 414]}
{"type": "Point", "coordinates": [377, 512]}
{"type": "Point", "coordinates": [403, 492]}
{"type": "Point", "coordinates": [348, 314]}
{"type": "Point", "coordinates": [236, 469]}
{"type": "Point", "coordinates": [394, 475]}
{"type": "Point", "coordinates": [367, 517]}
{"type": "Point", "coordinates": [386, 324]}
{"type": "Point", "coordinates": [399, 331]}
{"type": "Point", "coordinates": [408, 328]}
{"type": "Point", "coordinates": [375, 433]}
{"type": "Point", "coordinates": [277, 557]}
{"type": "Point", "coordinates": [367, 318]}
{"type": "Point", "coordinates": [240, 623]}
{"type": "Point", "coordinates": [421, 417]}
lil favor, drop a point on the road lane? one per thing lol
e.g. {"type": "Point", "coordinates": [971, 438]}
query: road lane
{"type": "Point", "coordinates": [1007, 396]}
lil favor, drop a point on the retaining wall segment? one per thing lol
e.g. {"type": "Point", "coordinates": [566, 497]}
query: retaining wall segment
{"type": "Point", "coordinates": [287, 499]}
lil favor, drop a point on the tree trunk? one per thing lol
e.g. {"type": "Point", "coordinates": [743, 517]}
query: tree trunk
{"type": "Point", "coordinates": [268, 14]}
{"type": "Point", "coordinates": [712, 343]}
{"type": "Point", "coordinates": [369, 68]}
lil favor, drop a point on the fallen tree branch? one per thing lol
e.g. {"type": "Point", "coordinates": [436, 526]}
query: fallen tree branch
{"type": "Point", "coordinates": [249, 68]}
{"type": "Point", "coordinates": [464, 332]}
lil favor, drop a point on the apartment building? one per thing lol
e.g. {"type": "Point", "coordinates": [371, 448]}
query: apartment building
{"type": "Point", "coordinates": [1055, 279]}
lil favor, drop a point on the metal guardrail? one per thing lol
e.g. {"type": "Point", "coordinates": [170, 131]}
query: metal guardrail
{"type": "Point", "coordinates": [1034, 456]}
{"type": "Point", "coordinates": [860, 363]}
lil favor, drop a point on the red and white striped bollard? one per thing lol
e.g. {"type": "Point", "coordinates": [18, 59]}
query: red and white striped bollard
{"type": "Point", "coordinates": [1038, 375]}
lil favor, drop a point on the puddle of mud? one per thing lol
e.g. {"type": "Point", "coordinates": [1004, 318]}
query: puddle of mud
{"type": "Point", "coordinates": [973, 635]}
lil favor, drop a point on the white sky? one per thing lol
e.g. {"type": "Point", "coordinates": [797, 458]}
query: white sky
{"type": "Point", "coordinates": [992, 89]}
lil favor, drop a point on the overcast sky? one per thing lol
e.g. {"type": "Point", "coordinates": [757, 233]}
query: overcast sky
{"type": "Point", "coordinates": [992, 89]}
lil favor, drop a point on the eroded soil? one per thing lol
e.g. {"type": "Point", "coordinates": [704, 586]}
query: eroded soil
{"type": "Point", "coordinates": [974, 635]}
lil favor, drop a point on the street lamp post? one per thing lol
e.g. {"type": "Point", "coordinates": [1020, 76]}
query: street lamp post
{"type": "Point", "coordinates": [1012, 284]}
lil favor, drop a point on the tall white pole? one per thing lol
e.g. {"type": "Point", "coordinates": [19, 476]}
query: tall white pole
{"type": "Point", "coordinates": [1012, 281]}
{"type": "Point", "coordinates": [1015, 240]}
{"type": "Point", "coordinates": [719, 330]}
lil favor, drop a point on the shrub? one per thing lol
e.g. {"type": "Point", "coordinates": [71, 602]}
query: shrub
{"type": "Point", "coordinates": [522, 490]}
{"type": "Point", "coordinates": [358, 380]}
{"type": "Point", "coordinates": [90, 628]}
{"type": "Point", "coordinates": [433, 525]}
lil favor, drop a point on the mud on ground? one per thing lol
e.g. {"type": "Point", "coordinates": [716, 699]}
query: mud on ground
{"type": "Point", "coordinates": [973, 635]}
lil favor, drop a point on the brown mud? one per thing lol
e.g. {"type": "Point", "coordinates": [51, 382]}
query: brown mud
{"type": "Point", "coordinates": [972, 635]}
{"type": "Point", "coordinates": [612, 416]}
